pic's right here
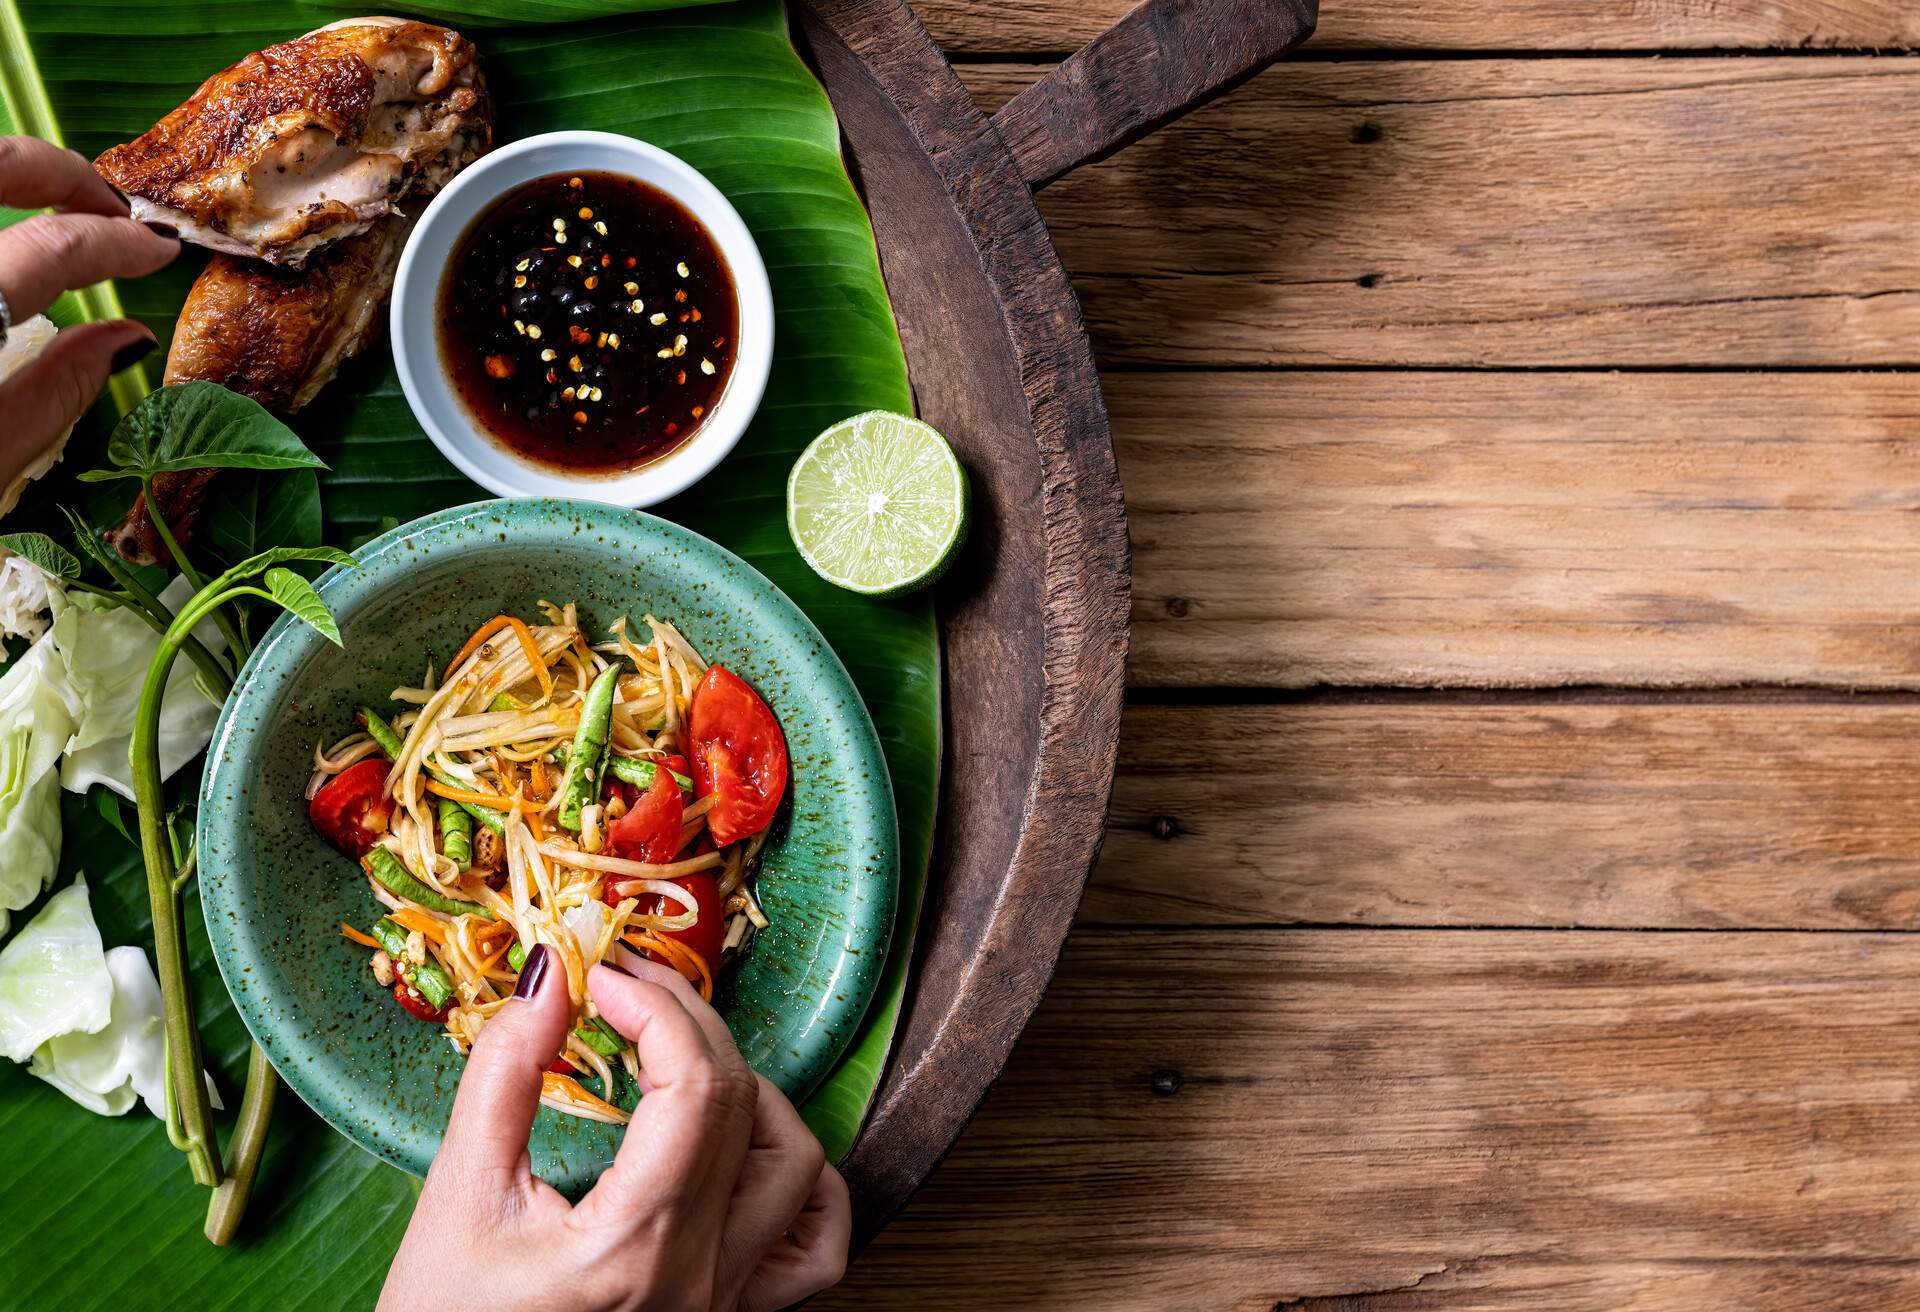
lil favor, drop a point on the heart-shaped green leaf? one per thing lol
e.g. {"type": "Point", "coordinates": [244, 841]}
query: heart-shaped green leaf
{"type": "Point", "coordinates": [298, 596]}
{"type": "Point", "coordinates": [200, 426]}
{"type": "Point", "coordinates": [41, 550]}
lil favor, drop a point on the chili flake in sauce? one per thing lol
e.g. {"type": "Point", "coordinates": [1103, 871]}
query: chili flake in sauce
{"type": "Point", "coordinates": [587, 320]}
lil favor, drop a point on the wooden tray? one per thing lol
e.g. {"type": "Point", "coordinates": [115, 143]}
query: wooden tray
{"type": "Point", "coordinates": [1034, 620]}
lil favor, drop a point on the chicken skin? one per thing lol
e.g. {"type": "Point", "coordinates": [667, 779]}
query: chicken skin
{"type": "Point", "coordinates": [312, 141]}
{"type": "Point", "coordinates": [277, 335]}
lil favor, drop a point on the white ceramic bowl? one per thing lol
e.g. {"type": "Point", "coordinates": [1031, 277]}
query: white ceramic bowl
{"type": "Point", "coordinates": [414, 319]}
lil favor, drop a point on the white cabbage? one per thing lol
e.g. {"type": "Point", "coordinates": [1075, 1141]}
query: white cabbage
{"type": "Point", "coordinates": [588, 921]}
{"type": "Point", "coordinates": [25, 341]}
{"type": "Point", "coordinates": [53, 976]}
{"type": "Point", "coordinates": [107, 651]}
{"type": "Point", "coordinates": [36, 717]}
{"type": "Point", "coordinates": [25, 594]}
{"type": "Point", "coordinates": [105, 1069]}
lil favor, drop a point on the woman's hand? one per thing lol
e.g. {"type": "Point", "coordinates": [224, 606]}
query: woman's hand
{"type": "Point", "coordinates": [719, 1197]}
{"type": "Point", "coordinates": [89, 239]}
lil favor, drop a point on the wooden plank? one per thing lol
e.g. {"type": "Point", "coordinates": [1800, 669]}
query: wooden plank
{"type": "Point", "coordinates": [1496, 212]}
{"type": "Point", "coordinates": [1402, 812]}
{"type": "Point", "coordinates": [1304, 528]}
{"type": "Point", "coordinates": [1039, 27]}
{"type": "Point", "coordinates": [1515, 1120]}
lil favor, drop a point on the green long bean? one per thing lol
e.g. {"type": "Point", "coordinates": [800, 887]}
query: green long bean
{"type": "Point", "coordinates": [636, 772]}
{"type": "Point", "coordinates": [587, 758]}
{"type": "Point", "coordinates": [388, 871]}
{"type": "Point", "coordinates": [390, 742]}
{"type": "Point", "coordinates": [456, 833]}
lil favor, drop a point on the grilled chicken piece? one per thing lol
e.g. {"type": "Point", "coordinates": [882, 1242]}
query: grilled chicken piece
{"type": "Point", "coordinates": [310, 142]}
{"type": "Point", "coordinates": [277, 335]}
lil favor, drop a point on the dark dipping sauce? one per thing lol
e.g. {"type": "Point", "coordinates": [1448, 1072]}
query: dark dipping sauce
{"type": "Point", "coordinates": [587, 320]}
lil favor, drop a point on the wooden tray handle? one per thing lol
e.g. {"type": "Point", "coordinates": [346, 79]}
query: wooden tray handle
{"type": "Point", "coordinates": [1161, 60]}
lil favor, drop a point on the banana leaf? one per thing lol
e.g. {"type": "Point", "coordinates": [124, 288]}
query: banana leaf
{"type": "Point", "coordinates": [101, 1212]}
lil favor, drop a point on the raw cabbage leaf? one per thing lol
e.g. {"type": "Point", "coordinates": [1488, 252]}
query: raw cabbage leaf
{"type": "Point", "coordinates": [107, 650]}
{"type": "Point", "coordinates": [53, 976]}
{"type": "Point", "coordinates": [36, 704]}
{"type": "Point", "coordinates": [105, 1069]}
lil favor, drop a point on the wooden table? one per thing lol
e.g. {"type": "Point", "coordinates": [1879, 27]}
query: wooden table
{"type": "Point", "coordinates": [1518, 818]}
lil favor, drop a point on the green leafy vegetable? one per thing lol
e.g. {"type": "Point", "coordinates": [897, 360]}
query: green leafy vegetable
{"type": "Point", "coordinates": [43, 552]}
{"type": "Point", "coordinates": [36, 719]}
{"type": "Point", "coordinates": [298, 597]}
{"type": "Point", "coordinates": [53, 976]}
{"type": "Point", "coordinates": [200, 426]}
{"type": "Point", "coordinates": [257, 511]}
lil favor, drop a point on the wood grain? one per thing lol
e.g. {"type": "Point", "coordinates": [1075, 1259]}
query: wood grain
{"type": "Point", "coordinates": [1539, 212]}
{"type": "Point", "coordinates": [1653, 1120]}
{"type": "Point", "coordinates": [1303, 528]}
{"type": "Point", "coordinates": [1161, 60]}
{"type": "Point", "coordinates": [1052, 27]}
{"type": "Point", "coordinates": [1661, 814]}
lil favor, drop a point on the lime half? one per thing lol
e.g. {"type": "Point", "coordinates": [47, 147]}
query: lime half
{"type": "Point", "coordinates": [878, 504]}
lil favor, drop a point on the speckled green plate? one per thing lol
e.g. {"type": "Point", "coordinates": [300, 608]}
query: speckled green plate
{"type": "Point", "coordinates": [275, 894]}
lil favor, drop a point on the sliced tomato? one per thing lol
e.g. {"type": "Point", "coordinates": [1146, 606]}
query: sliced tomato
{"type": "Point", "coordinates": [352, 810]}
{"type": "Point", "coordinates": [739, 755]}
{"type": "Point", "coordinates": [417, 1005]}
{"type": "Point", "coordinates": [561, 1066]}
{"type": "Point", "coordinates": [650, 830]}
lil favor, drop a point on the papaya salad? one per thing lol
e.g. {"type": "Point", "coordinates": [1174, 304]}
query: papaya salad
{"type": "Point", "coordinates": [547, 789]}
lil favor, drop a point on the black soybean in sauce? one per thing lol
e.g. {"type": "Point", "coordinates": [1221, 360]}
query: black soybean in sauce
{"type": "Point", "coordinates": [587, 320]}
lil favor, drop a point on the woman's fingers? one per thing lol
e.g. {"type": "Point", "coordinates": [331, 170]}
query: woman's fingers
{"type": "Point", "coordinates": [689, 1135]}
{"type": "Point", "coordinates": [500, 1088]}
{"type": "Point", "coordinates": [36, 174]}
{"type": "Point", "coordinates": [783, 1165]}
{"type": "Point", "coordinates": [42, 399]}
{"type": "Point", "coordinates": [42, 256]}
{"type": "Point", "coordinates": [811, 1256]}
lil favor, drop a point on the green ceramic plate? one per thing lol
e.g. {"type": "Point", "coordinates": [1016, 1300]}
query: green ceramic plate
{"type": "Point", "coordinates": [275, 894]}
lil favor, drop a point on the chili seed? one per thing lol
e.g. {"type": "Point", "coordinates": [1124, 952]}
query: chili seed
{"type": "Point", "coordinates": [706, 366]}
{"type": "Point", "coordinates": [682, 269]}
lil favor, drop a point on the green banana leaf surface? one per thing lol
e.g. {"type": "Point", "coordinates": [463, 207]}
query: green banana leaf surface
{"type": "Point", "coordinates": [101, 1212]}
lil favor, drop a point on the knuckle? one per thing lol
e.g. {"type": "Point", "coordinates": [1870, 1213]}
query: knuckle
{"type": "Point", "coordinates": [49, 236]}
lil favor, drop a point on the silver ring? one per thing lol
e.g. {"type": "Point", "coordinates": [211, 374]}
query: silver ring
{"type": "Point", "coordinates": [6, 318]}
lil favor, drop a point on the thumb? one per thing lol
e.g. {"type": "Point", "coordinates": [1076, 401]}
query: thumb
{"type": "Point", "coordinates": [500, 1089]}
{"type": "Point", "coordinates": [54, 389]}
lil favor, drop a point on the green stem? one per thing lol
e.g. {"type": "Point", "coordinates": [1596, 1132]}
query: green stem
{"type": "Point", "coordinates": [184, 1053]}
{"type": "Point", "coordinates": [229, 1200]}
{"type": "Point", "coordinates": [154, 611]}
{"type": "Point", "coordinates": [236, 641]}
{"type": "Point", "coordinates": [184, 875]}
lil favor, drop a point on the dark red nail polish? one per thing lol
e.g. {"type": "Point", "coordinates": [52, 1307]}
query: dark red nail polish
{"type": "Point", "coordinates": [532, 972]}
{"type": "Point", "coordinates": [166, 230]}
{"type": "Point", "coordinates": [619, 970]}
{"type": "Point", "coordinates": [131, 354]}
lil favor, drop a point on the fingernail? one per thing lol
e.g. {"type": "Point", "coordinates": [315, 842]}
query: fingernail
{"type": "Point", "coordinates": [532, 972]}
{"type": "Point", "coordinates": [131, 354]}
{"type": "Point", "coordinates": [166, 230]}
{"type": "Point", "coordinates": [619, 970]}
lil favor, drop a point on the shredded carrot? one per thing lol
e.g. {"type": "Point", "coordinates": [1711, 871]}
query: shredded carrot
{"type": "Point", "coordinates": [534, 658]}
{"type": "Point", "coordinates": [448, 791]}
{"type": "Point", "coordinates": [488, 930]}
{"type": "Point", "coordinates": [565, 1087]}
{"type": "Point", "coordinates": [536, 826]}
{"type": "Point", "coordinates": [364, 940]}
{"type": "Point", "coordinates": [678, 955]}
{"type": "Point", "coordinates": [480, 635]}
{"type": "Point", "coordinates": [539, 768]}
{"type": "Point", "coordinates": [488, 964]}
{"type": "Point", "coordinates": [409, 918]}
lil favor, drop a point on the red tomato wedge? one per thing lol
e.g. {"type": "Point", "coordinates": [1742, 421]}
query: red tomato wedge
{"type": "Point", "coordinates": [650, 830]}
{"type": "Point", "coordinates": [738, 754]}
{"type": "Point", "coordinates": [352, 810]}
{"type": "Point", "coordinates": [418, 1006]}
{"type": "Point", "coordinates": [706, 934]}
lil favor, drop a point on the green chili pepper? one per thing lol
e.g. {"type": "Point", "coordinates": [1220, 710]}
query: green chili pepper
{"type": "Point", "coordinates": [390, 743]}
{"type": "Point", "coordinates": [516, 955]}
{"type": "Point", "coordinates": [588, 755]}
{"type": "Point", "coordinates": [427, 977]}
{"type": "Point", "coordinates": [601, 1037]}
{"type": "Point", "coordinates": [505, 701]}
{"type": "Point", "coordinates": [456, 833]}
{"type": "Point", "coordinates": [638, 773]}
{"type": "Point", "coordinates": [390, 874]}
